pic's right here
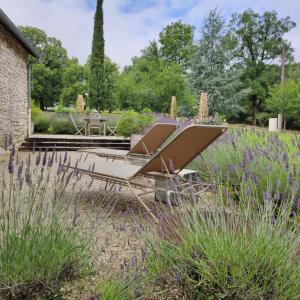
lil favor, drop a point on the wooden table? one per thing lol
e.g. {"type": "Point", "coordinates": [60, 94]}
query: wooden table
{"type": "Point", "coordinates": [88, 120]}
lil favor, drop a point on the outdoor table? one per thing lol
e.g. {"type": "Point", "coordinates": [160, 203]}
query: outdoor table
{"type": "Point", "coordinates": [88, 119]}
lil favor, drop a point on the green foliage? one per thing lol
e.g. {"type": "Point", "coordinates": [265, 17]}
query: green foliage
{"type": "Point", "coordinates": [73, 83]}
{"type": "Point", "coordinates": [177, 43]}
{"type": "Point", "coordinates": [36, 112]}
{"type": "Point", "coordinates": [133, 122]}
{"type": "Point", "coordinates": [111, 73]}
{"type": "Point", "coordinates": [258, 39]}
{"type": "Point", "coordinates": [62, 126]}
{"type": "Point", "coordinates": [41, 124]}
{"type": "Point", "coordinates": [97, 76]}
{"type": "Point", "coordinates": [210, 70]}
{"type": "Point", "coordinates": [151, 83]}
{"type": "Point", "coordinates": [114, 289]}
{"type": "Point", "coordinates": [285, 98]}
{"type": "Point", "coordinates": [227, 255]}
{"type": "Point", "coordinates": [254, 165]}
{"type": "Point", "coordinates": [47, 72]}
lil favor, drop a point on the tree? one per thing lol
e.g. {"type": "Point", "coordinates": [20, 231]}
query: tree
{"type": "Point", "coordinates": [177, 43]}
{"type": "Point", "coordinates": [73, 82]}
{"type": "Point", "coordinates": [150, 83]}
{"type": "Point", "coordinates": [96, 78]}
{"type": "Point", "coordinates": [111, 73]}
{"type": "Point", "coordinates": [211, 70]}
{"type": "Point", "coordinates": [258, 40]}
{"type": "Point", "coordinates": [47, 73]}
{"type": "Point", "coordinates": [285, 98]}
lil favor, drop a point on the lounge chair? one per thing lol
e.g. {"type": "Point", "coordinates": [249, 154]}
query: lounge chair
{"type": "Point", "coordinates": [146, 146]}
{"type": "Point", "coordinates": [164, 165]}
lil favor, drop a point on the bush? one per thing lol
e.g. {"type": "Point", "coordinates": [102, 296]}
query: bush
{"type": "Point", "coordinates": [114, 289]}
{"type": "Point", "coordinates": [41, 124]}
{"type": "Point", "coordinates": [254, 164]}
{"type": "Point", "coordinates": [225, 255]}
{"type": "Point", "coordinates": [36, 112]}
{"type": "Point", "coordinates": [133, 122]}
{"type": "Point", "coordinates": [62, 126]}
{"type": "Point", "coordinates": [41, 242]}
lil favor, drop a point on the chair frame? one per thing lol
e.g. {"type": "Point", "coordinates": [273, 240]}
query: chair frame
{"type": "Point", "coordinates": [79, 130]}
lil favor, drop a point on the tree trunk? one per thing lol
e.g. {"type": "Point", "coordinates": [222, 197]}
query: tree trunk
{"type": "Point", "coordinates": [284, 123]}
{"type": "Point", "coordinates": [254, 103]}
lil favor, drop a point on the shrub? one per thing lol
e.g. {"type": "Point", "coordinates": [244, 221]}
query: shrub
{"type": "Point", "coordinates": [115, 289]}
{"type": "Point", "coordinates": [133, 122]}
{"type": "Point", "coordinates": [226, 255]}
{"type": "Point", "coordinates": [41, 124]}
{"type": "Point", "coordinates": [41, 243]}
{"type": "Point", "coordinates": [60, 108]}
{"type": "Point", "coordinates": [62, 126]}
{"type": "Point", "coordinates": [254, 164]}
{"type": "Point", "coordinates": [36, 112]}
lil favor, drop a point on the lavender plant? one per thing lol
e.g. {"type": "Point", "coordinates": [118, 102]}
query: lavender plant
{"type": "Point", "coordinates": [254, 165]}
{"type": "Point", "coordinates": [222, 254]}
{"type": "Point", "coordinates": [40, 242]}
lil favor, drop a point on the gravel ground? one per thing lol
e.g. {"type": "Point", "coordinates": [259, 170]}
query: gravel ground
{"type": "Point", "coordinates": [117, 223]}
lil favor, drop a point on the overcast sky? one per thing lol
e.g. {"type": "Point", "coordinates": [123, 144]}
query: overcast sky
{"type": "Point", "coordinates": [129, 25]}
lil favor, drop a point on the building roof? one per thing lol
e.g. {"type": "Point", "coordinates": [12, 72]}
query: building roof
{"type": "Point", "coordinates": [13, 29]}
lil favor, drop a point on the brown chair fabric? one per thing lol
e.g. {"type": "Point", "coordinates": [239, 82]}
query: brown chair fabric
{"type": "Point", "coordinates": [150, 141]}
{"type": "Point", "coordinates": [153, 138]}
{"type": "Point", "coordinates": [176, 155]}
{"type": "Point", "coordinates": [183, 149]}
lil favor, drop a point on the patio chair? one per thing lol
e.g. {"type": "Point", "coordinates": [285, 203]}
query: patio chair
{"type": "Point", "coordinates": [113, 129]}
{"type": "Point", "coordinates": [146, 146]}
{"type": "Point", "coordinates": [165, 164]}
{"type": "Point", "coordinates": [78, 128]}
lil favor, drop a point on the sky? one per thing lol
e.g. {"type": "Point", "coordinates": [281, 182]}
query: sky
{"type": "Point", "coordinates": [129, 25]}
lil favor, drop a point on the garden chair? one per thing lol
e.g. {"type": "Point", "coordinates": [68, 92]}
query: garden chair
{"type": "Point", "coordinates": [164, 165]}
{"type": "Point", "coordinates": [146, 146]}
{"type": "Point", "coordinates": [78, 128]}
{"type": "Point", "coordinates": [112, 130]}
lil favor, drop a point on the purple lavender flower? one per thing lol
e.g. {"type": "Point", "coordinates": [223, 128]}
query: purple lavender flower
{"type": "Point", "coordinates": [255, 179]}
{"type": "Point", "coordinates": [11, 165]}
{"type": "Point", "coordinates": [5, 145]}
{"type": "Point", "coordinates": [38, 159]}
{"type": "Point", "coordinates": [13, 150]}
{"type": "Point", "coordinates": [44, 159]}
{"type": "Point", "coordinates": [65, 157]}
{"type": "Point", "coordinates": [295, 187]}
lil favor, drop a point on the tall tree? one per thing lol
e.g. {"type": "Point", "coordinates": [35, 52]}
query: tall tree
{"type": "Point", "coordinates": [73, 82]}
{"type": "Point", "coordinates": [258, 40]}
{"type": "Point", "coordinates": [210, 68]}
{"type": "Point", "coordinates": [47, 73]}
{"type": "Point", "coordinates": [285, 98]}
{"type": "Point", "coordinates": [177, 43]}
{"type": "Point", "coordinates": [96, 79]}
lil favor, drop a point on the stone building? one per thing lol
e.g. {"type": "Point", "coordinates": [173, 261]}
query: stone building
{"type": "Point", "coordinates": [14, 82]}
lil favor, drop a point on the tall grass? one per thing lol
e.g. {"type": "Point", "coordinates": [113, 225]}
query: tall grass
{"type": "Point", "coordinates": [40, 242]}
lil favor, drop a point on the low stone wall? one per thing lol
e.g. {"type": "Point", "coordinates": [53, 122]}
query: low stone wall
{"type": "Point", "coordinates": [13, 88]}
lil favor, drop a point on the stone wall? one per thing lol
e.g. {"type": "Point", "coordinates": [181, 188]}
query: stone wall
{"type": "Point", "coordinates": [13, 88]}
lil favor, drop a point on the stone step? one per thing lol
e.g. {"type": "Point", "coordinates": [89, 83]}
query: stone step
{"type": "Point", "coordinates": [73, 143]}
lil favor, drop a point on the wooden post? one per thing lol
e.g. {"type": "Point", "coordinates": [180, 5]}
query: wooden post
{"type": "Point", "coordinates": [173, 108]}
{"type": "Point", "coordinates": [203, 107]}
